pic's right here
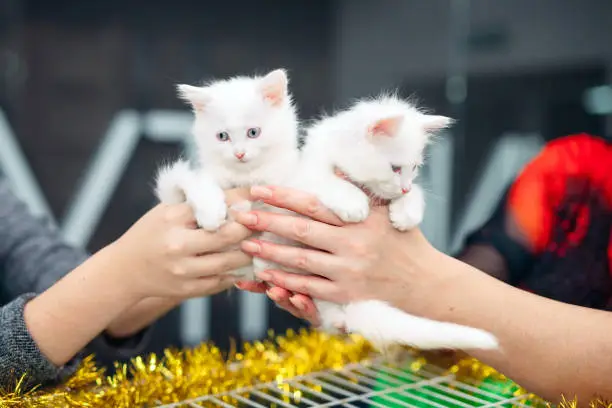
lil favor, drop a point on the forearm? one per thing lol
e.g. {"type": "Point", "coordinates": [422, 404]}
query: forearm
{"type": "Point", "coordinates": [548, 347]}
{"type": "Point", "coordinates": [140, 316]}
{"type": "Point", "coordinates": [67, 316]}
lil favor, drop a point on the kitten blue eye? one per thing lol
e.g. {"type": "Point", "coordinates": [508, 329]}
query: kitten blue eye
{"type": "Point", "coordinates": [396, 169]}
{"type": "Point", "coordinates": [223, 136]}
{"type": "Point", "coordinates": [253, 133]}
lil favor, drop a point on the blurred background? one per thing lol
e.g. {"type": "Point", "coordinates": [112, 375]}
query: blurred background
{"type": "Point", "coordinates": [88, 107]}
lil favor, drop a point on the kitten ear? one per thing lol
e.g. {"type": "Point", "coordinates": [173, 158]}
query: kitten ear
{"type": "Point", "coordinates": [434, 123]}
{"type": "Point", "coordinates": [386, 127]}
{"type": "Point", "coordinates": [194, 95]}
{"type": "Point", "coordinates": [273, 87]}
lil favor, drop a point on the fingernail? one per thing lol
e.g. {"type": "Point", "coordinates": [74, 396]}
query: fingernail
{"type": "Point", "coordinates": [298, 305]}
{"type": "Point", "coordinates": [246, 218]}
{"type": "Point", "coordinates": [261, 192]}
{"type": "Point", "coordinates": [250, 246]}
{"type": "Point", "coordinates": [272, 295]}
{"type": "Point", "coordinates": [264, 275]}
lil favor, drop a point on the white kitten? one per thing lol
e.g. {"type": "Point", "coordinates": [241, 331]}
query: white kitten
{"type": "Point", "coordinates": [379, 145]}
{"type": "Point", "coordinates": [246, 133]}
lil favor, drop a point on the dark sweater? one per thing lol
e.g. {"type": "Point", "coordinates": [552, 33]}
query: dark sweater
{"type": "Point", "coordinates": [32, 258]}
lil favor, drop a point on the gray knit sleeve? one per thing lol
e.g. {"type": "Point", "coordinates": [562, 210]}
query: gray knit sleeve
{"type": "Point", "coordinates": [33, 256]}
{"type": "Point", "coordinates": [20, 355]}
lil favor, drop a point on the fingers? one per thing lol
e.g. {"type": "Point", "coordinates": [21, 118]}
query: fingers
{"type": "Point", "coordinates": [178, 214]}
{"type": "Point", "coordinates": [212, 264]}
{"type": "Point", "coordinates": [295, 200]}
{"type": "Point", "coordinates": [208, 286]}
{"type": "Point", "coordinates": [281, 297]}
{"type": "Point", "coordinates": [312, 286]}
{"type": "Point", "coordinates": [308, 260]}
{"type": "Point", "coordinates": [298, 305]}
{"type": "Point", "coordinates": [293, 304]}
{"type": "Point", "coordinates": [236, 195]}
{"type": "Point", "coordinates": [252, 286]}
{"type": "Point", "coordinates": [307, 308]}
{"type": "Point", "coordinates": [312, 233]}
{"type": "Point", "coordinates": [200, 241]}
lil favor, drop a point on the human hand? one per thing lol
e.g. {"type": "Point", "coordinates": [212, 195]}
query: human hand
{"type": "Point", "coordinates": [169, 256]}
{"type": "Point", "coordinates": [299, 305]}
{"type": "Point", "coordinates": [353, 261]}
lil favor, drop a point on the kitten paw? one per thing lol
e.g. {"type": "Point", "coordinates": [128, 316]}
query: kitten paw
{"type": "Point", "coordinates": [404, 220]}
{"type": "Point", "coordinates": [407, 212]}
{"type": "Point", "coordinates": [211, 216]}
{"type": "Point", "coordinates": [354, 208]}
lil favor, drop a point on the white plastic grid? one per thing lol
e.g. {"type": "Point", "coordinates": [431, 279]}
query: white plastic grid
{"type": "Point", "coordinates": [375, 385]}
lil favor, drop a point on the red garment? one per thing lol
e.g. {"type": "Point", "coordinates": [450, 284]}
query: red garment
{"type": "Point", "coordinates": [566, 169]}
{"type": "Point", "coordinates": [554, 226]}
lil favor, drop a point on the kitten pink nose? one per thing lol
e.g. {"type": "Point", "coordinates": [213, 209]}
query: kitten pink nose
{"type": "Point", "coordinates": [405, 190]}
{"type": "Point", "coordinates": [239, 155]}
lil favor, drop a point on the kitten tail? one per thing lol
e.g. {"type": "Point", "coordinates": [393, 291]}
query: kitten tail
{"type": "Point", "coordinates": [384, 325]}
{"type": "Point", "coordinates": [170, 181]}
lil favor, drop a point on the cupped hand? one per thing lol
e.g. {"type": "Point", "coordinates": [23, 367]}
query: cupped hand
{"type": "Point", "coordinates": [299, 305]}
{"type": "Point", "coordinates": [169, 256]}
{"type": "Point", "coordinates": [350, 261]}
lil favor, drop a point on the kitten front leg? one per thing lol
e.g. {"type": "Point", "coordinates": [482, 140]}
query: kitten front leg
{"type": "Point", "coordinates": [407, 211]}
{"type": "Point", "coordinates": [207, 200]}
{"type": "Point", "coordinates": [178, 183]}
{"type": "Point", "coordinates": [348, 202]}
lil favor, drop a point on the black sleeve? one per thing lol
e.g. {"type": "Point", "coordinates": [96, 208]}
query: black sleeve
{"type": "Point", "coordinates": [519, 259]}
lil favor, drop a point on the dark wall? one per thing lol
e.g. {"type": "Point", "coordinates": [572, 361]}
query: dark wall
{"type": "Point", "coordinates": [548, 102]}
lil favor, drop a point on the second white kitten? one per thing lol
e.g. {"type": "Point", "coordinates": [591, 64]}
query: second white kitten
{"type": "Point", "coordinates": [379, 145]}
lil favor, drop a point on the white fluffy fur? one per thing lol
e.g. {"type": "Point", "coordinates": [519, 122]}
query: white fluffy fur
{"type": "Point", "coordinates": [364, 142]}
{"type": "Point", "coordinates": [233, 106]}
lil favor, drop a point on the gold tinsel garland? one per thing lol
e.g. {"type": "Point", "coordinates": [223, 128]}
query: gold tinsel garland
{"type": "Point", "coordinates": [183, 374]}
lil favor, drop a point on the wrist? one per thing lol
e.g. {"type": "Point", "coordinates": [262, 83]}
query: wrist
{"type": "Point", "coordinates": [123, 271]}
{"type": "Point", "coordinates": [453, 290]}
{"type": "Point", "coordinates": [432, 280]}
{"type": "Point", "coordinates": [140, 316]}
{"type": "Point", "coordinates": [426, 280]}
{"type": "Point", "coordinates": [68, 315]}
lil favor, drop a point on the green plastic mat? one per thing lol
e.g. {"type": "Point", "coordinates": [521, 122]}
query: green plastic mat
{"type": "Point", "coordinates": [425, 390]}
